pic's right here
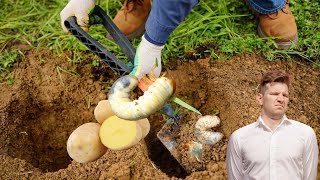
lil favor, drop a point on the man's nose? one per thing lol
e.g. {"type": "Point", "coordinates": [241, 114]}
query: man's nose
{"type": "Point", "coordinates": [280, 98]}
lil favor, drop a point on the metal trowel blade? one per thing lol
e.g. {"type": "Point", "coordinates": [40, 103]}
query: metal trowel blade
{"type": "Point", "coordinates": [166, 136]}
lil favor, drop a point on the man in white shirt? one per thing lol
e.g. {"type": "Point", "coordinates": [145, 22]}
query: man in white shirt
{"type": "Point", "coordinates": [274, 147]}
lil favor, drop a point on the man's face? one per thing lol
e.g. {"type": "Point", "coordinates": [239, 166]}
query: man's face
{"type": "Point", "coordinates": [274, 100]}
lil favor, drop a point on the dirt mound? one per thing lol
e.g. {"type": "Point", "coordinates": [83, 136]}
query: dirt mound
{"type": "Point", "coordinates": [50, 98]}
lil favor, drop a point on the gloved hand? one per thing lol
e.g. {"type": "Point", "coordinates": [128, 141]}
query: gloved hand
{"type": "Point", "coordinates": [80, 9]}
{"type": "Point", "coordinates": [147, 59]}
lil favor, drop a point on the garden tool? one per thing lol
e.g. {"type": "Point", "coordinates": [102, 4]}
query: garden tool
{"type": "Point", "coordinates": [98, 16]}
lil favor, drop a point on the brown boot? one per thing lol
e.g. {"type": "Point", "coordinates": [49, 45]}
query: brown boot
{"type": "Point", "coordinates": [132, 17]}
{"type": "Point", "coordinates": [280, 25]}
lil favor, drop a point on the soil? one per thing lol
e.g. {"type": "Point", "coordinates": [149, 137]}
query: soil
{"type": "Point", "coordinates": [51, 97]}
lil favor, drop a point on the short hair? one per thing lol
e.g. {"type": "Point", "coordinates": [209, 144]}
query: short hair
{"type": "Point", "coordinates": [274, 76]}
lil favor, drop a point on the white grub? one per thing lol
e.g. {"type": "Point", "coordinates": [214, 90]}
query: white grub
{"type": "Point", "coordinates": [151, 101]}
{"type": "Point", "coordinates": [201, 130]}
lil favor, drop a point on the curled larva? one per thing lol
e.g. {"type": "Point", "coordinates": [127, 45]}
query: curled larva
{"type": "Point", "coordinates": [205, 136]}
{"type": "Point", "coordinates": [151, 101]}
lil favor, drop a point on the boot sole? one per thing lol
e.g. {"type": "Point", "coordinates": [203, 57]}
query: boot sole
{"type": "Point", "coordinates": [281, 45]}
{"type": "Point", "coordinates": [137, 33]}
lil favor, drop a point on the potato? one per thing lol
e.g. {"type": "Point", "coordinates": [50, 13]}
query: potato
{"type": "Point", "coordinates": [119, 134]}
{"type": "Point", "coordinates": [103, 111]}
{"type": "Point", "coordinates": [84, 144]}
{"type": "Point", "coordinates": [145, 126]}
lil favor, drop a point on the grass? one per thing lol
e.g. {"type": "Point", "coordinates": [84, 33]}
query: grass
{"type": "Point", "coordinates": [219, 28]}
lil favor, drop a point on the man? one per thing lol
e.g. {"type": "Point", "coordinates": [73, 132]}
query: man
{"type": "Point", "coordinates": [274, 147]}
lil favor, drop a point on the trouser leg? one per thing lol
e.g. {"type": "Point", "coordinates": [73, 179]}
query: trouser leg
{"type": "Point", "coordinates": [164, 17]}
{"type": "Point", "coordinates": [267, 6]}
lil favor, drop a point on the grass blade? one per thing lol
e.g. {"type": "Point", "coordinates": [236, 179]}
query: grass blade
{"type": "Point", "coordinates": [184, 104]}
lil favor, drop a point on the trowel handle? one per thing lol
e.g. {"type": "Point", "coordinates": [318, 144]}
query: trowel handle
{"type": "Point", "coordinates": [99, 16]}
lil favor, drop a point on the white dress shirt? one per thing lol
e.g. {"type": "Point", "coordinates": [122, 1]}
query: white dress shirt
{"type": "Point", "coordinates": [290, 152]}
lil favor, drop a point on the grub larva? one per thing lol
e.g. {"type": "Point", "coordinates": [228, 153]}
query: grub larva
{"type": "Point", "coordinates": [151, 101]}
{"type": "Point", "coordinates": [202, 133]}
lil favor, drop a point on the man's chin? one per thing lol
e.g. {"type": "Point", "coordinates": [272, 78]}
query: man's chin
{"type": "Point", "coordinates": [278, 115]}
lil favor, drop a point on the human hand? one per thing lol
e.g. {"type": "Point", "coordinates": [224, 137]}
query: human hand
{"type": "Point", "coordinates": [147, 59]}
{"type": "Point", "coordinates": [80, 9]}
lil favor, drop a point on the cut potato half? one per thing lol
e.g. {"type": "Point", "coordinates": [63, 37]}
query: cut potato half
{"type": "Point", "coordinates": [119, 134]}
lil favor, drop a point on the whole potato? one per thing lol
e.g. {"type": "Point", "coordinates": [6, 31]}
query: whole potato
{"type": "Point", "coordinates": [103, 111]}
{"type": "Point", "coordinates": [84, 144]}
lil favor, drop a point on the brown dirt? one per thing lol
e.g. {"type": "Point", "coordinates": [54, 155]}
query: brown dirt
{"type": "Point", "coordinates": [50, 98]}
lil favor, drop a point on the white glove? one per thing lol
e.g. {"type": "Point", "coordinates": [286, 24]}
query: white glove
{"type": "Point", "coordinates": [80, 9]}
{"type": "Point", "coordinates": [147, 59]}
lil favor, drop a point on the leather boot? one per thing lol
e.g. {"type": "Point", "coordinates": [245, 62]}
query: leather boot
{"type": "Point", "coordinates": [132, 17]}
{"type": "Point", "coordinates": [280, 25]}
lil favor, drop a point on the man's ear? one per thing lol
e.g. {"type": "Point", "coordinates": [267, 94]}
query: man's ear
{"type": "Point", "coordinates": [259, 97]}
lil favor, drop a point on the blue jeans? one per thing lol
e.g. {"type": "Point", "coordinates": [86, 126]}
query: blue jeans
{"type": "Point", "coordinates": [267, 6]}
{"type": "Point", "coordinates": [166, 15]}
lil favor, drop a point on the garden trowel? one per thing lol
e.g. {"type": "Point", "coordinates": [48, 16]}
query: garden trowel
{"type": "Point", "coordinates": [98, 16]}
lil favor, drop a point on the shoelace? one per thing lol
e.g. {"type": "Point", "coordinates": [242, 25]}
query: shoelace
{"type": "Point", "coordinates": [128, 9]}
{"type": "Point", "coordinates": [135, 2]}
{"type": "Point", "coordinates": [275, 15]}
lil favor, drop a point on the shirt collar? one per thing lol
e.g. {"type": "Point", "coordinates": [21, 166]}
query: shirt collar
{"type": "Point", "coordinates": [284, 120]}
